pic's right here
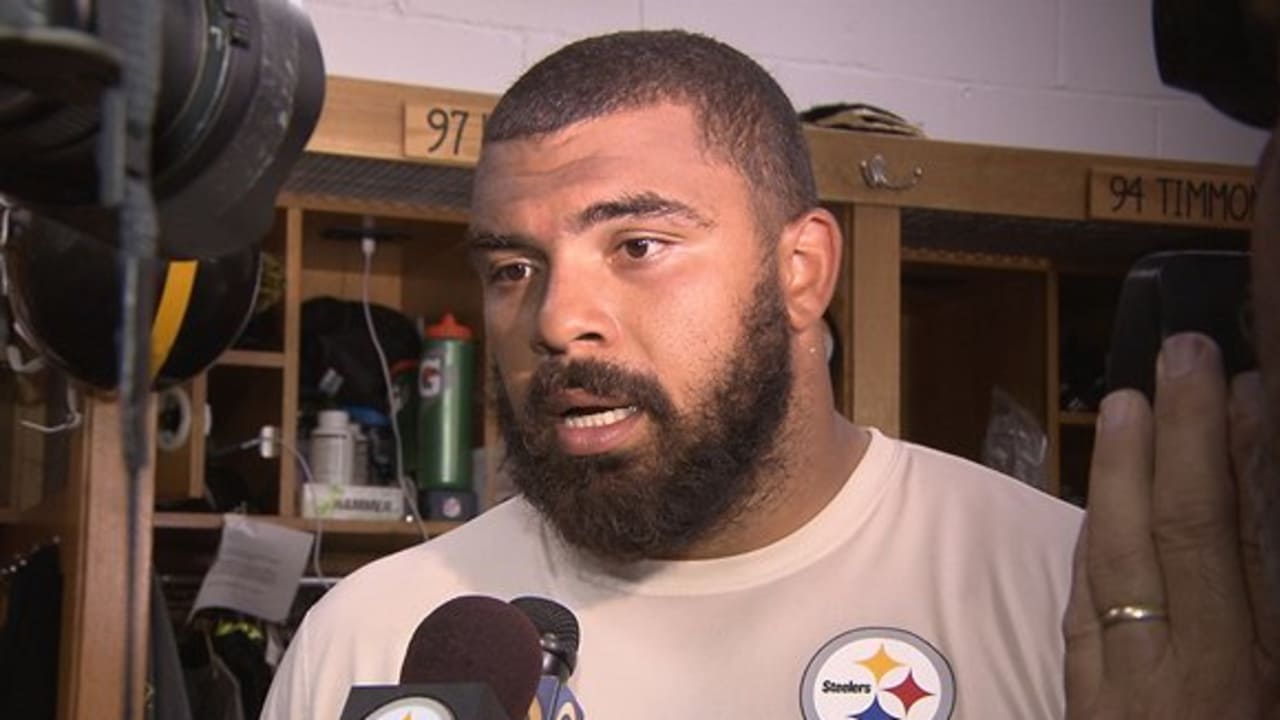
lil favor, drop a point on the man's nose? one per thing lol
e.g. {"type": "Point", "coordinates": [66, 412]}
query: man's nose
{"type": "Point", "coordinates": [573, 315]}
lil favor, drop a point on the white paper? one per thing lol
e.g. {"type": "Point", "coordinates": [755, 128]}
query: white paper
{"type": "Point", "coordinates": [256, 570]}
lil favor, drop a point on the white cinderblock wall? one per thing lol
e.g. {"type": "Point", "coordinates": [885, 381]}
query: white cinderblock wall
{"type": "Point", "coordinates": [1059, 74]}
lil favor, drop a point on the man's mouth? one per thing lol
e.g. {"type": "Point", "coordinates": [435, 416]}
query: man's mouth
{"type": "Point", "coordinates": [590, 417]}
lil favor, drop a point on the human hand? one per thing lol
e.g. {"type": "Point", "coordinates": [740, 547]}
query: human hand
{"type": "Point", "coordinates": [1172, 534]}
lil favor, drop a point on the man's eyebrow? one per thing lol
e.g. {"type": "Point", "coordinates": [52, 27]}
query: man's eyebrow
{"type": "Point", "coordinates": [483, 240]}
{"type": "Point", "coordinates": [479, 242]}
{"type": "Point", "coordinates": [639, 205]}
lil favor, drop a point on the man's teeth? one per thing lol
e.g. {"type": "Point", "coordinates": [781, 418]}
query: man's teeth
{"type": "Point", "coordinates": [600, 419]}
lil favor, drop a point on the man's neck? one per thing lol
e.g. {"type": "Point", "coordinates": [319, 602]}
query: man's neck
{"type": "Point", "coordinates": [822, 456]}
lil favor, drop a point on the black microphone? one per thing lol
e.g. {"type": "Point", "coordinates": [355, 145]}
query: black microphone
{"type": "Point", "coordinates": [472, 658]}
{"type": "Point", "coordinates": [559, 637]}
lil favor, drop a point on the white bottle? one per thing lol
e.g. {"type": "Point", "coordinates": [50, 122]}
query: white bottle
{"type": "Point", "coordinates": [332, 449]}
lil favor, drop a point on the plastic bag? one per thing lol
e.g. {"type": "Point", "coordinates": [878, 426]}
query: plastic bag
{"type": "Point", "coordinates": [1015, 444]}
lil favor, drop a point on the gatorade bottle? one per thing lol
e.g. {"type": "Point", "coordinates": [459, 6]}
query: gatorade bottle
{"type": "Point", "coordinates": [444, 421]}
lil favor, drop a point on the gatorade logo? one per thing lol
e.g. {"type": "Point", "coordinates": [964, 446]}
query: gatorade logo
{"type": "Point", "coordinates": [431, 376]}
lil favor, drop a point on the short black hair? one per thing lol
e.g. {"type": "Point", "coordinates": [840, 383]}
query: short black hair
{"type": "Point", "coordinates": [744, 116]}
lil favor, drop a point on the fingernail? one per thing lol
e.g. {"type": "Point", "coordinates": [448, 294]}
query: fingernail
{"type": "Point", "coordinates": [1116, 410]}
{"type": "Point", "coordinates": [1181, 354]}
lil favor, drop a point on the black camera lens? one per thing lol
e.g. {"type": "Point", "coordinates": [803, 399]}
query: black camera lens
{"type": "Point", "coordinates": [241, 86]}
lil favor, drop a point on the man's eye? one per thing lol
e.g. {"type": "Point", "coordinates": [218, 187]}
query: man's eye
{"type": "Point", "coordinates": [511, 272]}
{"type": "Point", "coordinates": [637, 248]}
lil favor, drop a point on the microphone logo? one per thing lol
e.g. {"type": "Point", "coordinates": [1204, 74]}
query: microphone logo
{"type": "Point", "coordinates": [558, 700]}
{"type": "Point", "coordinates": [568, 711]}
{"type": "Point", "coordinates": [412, 708]}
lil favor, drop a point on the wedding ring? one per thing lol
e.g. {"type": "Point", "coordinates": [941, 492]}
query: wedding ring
{"type": "Point", "coordinates": [1131, 613]}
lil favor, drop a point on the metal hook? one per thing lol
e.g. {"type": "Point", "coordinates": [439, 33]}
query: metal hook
{"type": "Point", "coordinates": [13, 357]}
{"type": "Point", "coordinates": [72, 421]}
{"type": "Point", "coordinates": [875, 174]}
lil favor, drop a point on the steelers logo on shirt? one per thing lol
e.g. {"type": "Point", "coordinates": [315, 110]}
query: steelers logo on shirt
{"type": "Point", "coordinates": [878, 674]}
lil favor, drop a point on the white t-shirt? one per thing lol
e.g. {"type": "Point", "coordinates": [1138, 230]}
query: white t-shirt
{"type": "Point", "coordinates": [927, 582]}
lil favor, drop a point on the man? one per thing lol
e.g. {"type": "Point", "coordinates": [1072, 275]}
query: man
{"type": "Point", "coordinates": [655, 268]}
{"type": "Point", "coordinates": [1175, 606]}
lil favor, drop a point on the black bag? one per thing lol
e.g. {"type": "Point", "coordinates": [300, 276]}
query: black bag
{"type": "Point", "coordinates": [338, 363]}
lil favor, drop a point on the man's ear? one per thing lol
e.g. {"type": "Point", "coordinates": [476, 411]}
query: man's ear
{"type": "Point", "coordinates": [809, 262]}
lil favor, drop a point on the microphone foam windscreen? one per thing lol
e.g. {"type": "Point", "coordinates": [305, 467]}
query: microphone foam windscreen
{"type": "Point", "coordinates": [473, 638]}
{"type": "Point", "coordinates": [551, 618]}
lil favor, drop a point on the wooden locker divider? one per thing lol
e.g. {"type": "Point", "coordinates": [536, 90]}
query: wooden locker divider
{"type": "Point", "coordinates": [871, 308]}
{"type": "Point", "coordinates": [288, 499]}
{"type": "Point", "coordinates": [180, 473]}
{"type": "Point", "coordinates": [89, 518]}
{"type": "Point", "coordinates": [1053, 418]}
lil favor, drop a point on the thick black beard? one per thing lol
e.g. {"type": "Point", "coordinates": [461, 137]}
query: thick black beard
{"type": "Point", "coordinates": [705, 468]}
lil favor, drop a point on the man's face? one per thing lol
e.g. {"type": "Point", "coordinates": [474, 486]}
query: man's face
{"type": "Point", "coordinates": [640, 343]}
